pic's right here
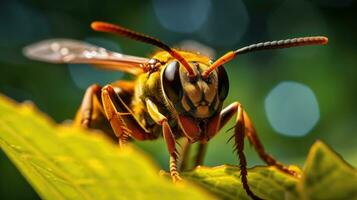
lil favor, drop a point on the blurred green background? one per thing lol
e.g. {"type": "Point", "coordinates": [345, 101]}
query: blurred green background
{"type": "Point", "coordinates": [294, 96]}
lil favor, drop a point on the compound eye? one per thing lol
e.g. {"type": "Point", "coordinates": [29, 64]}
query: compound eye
{"type": "Point", "coordinates": [172, 82]}
{"type": "Point", "coordinates": [223, 83]}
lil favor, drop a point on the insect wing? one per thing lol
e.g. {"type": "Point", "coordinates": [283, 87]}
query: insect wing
{"type": "Point", "coordinates": [73, 51]}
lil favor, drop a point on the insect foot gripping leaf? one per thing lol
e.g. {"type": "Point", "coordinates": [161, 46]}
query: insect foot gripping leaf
{"type": "Point", "coordinates": [326, 176]}
{"type": "Point", "coordinates": [66, 163]}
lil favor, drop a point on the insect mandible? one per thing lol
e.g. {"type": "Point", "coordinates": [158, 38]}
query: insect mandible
{"type": "Point", "coordinates": [175, 94]}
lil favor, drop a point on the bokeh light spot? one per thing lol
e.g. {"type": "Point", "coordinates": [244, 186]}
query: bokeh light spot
{"type": "Point", "coordinates": [226, 23]}
{"type": "Point", "coordinates": [292, 109]}
{"type": "Point", "coordinates": [185, 16]}
{"type": "Point", "coordinates": [85, 75]}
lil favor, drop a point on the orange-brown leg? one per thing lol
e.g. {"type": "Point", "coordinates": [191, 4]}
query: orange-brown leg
{"type": "Point", "coordinates": [91, 114]}
{"type": "Point", "coordinates": [185, 153]}
{"type": "Point", "coordinates": [201, 151]}
{"type": "Point", "coordinates": [87, 106]}
{"type": "Point", "coordinates": [168, 136]}
{"type": "Point", "coordinates": [253, 138]}
{"type": "Point", "coordinates": [198, 159]}
{"type": "Point", "coordinates": [244, 127]}
{"type": "Point", "coordinates": [171, 147]}
{"type": "Point", "coordinates": [120, 117]}
{"type": "Point", "coordinates": [239, 133]}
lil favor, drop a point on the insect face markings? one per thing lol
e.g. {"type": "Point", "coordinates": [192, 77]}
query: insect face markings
{"type": "Point", "coordinates": [200, 97]}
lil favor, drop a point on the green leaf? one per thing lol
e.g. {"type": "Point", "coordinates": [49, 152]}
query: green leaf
{"type": "Point", "coordinates": [63, 162]}
{"type": "Point", "coordinates": [328, 176]}
{"type": "Point", "coordinates": [69, 163]}
{"type": "Point", "coordinates": [266, 182]}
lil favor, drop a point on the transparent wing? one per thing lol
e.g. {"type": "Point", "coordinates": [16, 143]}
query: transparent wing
{"type": "Point", "coordinates": [73, 51]}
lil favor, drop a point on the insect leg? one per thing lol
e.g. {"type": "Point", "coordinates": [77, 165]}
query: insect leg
{"type": "Point", "coordinates": [252, 135]}
{"type": "Point", "coordinates": [171, 147]}
{"type": "Point", "coordinates": [225, 115]}
{"type": "Point", "coordinates": [87, 106]}
{"type": "Point", "coordinates": [254, 139]}
{"type": "Point", "coordinates": [121, 118]}
{"type": "Point", "coordinates": [199, 157]}
{"type": "Point", "coordinates": [168, 136]}
{"type": "Point", "coordinates": [239, 133]}
{"type": "Point", "coordinates": [91, 113]}
{"type": "Point", "coordinates": [201, 151]}
{"type": "Point", "coordinates": [185, 153]}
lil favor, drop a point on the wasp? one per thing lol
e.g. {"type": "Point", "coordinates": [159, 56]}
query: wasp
{"type": "Point", "coordinates": [175, 94]}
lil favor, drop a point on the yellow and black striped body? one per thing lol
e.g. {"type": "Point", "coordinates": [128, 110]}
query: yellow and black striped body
{"type": "Point", "coordinates": [189, 105]}
{"type": "Point", "coordinates": [198, 100]}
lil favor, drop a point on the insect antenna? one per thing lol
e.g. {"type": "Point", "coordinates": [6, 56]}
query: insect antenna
{"type": "Point", "coordinates": [280, 44]}
{"type": "Point", "coordinates": [111, 28]}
